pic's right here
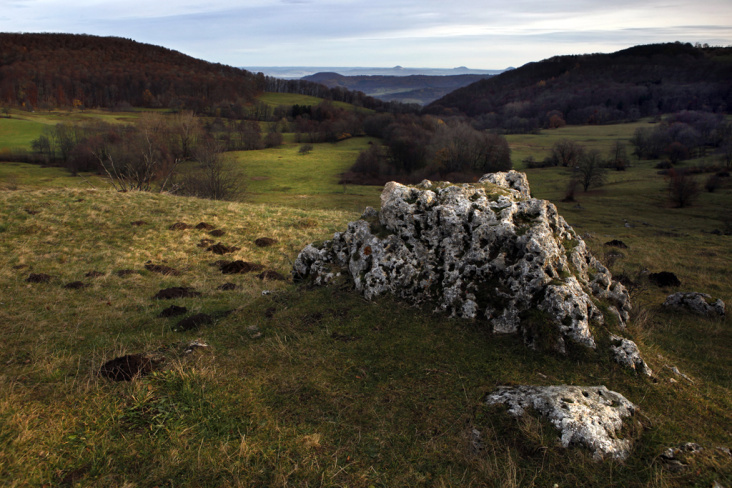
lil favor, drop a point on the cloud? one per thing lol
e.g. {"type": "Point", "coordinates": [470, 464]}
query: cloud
{"type": "Point", "coordinates": [380, 32]}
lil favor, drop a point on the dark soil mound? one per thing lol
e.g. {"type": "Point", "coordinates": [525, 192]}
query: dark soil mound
{"type": "Point", "coordinates": [31, 211]}
{"type": "Point", "coordinates": [193, 322]}
{"type": "Point", "coordinates": [94, 274]}
{"type": "Point", "coordinates": [127, 368]}
{"type": "Point", "coordinates": [270, 275]}
{"type": "Point", "coordinates": [179, 226]}
{"type": "Point", "coordinates": [617, 243]}
{"type": "Point", "coordinates": [138, 223]}
{"type": "Point", "coordinates": [228, 287]}
{"type": "Point", "coordinates": [204, 226]}
{"type": "Point", "coordinates": [173, 311]}
{"type": "Point", "coordinates": [125, 272]}
{"type": "Point", "coordinates": [217, 233]}
{"type": "Point", "coordinates": [20, 266]}
{"type": "Point", "coordinates": [205, 243]}
{"type": "Point", "coordinates": [162, 269]}
{"type": "Point", "coordinates": [222, 249]}
{"type": "Point", "coordinates": [176, 292]}
{"type": "Point", "coordinates": [38, 278]}
{"type": "Point", "coordinates": [220, 263]}
{"type": "Point", "coordinates": [265, 242]}
{"type": "Point", "coordinates": [240, 267]}
{"type": "Point", "coordinates": [75, 285]}
{"type": "Point", "coordinates": [664, 279]}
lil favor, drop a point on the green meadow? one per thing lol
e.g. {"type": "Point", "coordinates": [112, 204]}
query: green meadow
{"type": "Point", "coordinates": [305, 386]}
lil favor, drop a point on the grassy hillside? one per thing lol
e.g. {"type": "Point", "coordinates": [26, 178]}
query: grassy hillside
{"type": "Point", "coordinates": [304, 386]}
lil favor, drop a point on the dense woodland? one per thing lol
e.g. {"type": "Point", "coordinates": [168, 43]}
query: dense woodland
{"type": "Point", "coordinates": [67, 70]}
{"type": "Point", "coordinates": [598, 88]}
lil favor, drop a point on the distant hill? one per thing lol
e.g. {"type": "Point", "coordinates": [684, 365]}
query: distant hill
{"type": "Point", "coordinates": [298, 72]}
{"type": "Point", "coordinates": [58, 69]}
{"type": "Point", "coordinates": [420, 89]}
{"type": "Point", "coordinates": [599, 88]}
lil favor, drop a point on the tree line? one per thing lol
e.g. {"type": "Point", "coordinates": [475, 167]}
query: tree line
{"type": "Point", "coordinates": [417, 147]}
{"type": "Point", "coordinates": [624, 86]}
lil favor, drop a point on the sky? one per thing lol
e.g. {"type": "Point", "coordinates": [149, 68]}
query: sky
{"type": "Point", "coordinates": [478, 34]}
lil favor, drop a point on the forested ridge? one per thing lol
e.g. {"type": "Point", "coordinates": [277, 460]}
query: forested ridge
{"type": "Point", "coordinates": [56, 70]}
{"type": "Point", "coordinates": [637, 82]}
{"type": "Point", "coordinates": [73, 70]}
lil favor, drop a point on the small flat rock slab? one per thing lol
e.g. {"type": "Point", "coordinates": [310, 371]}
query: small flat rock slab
{"type": "Point", "coordinates": [588, 415]}
{"type": "Point", "coordinates": [695, 302]}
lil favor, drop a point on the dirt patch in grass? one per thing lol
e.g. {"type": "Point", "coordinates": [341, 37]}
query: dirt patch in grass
{"type": "Point", "coordinates": [179, 226]}
{"type": "Point", "coordinates": [222, 249]}
{"type": "Point", "coordinates": [664, 279]}
{"type": "Point", "coordinates": [617, 243]}
{"type": "Point", "coordinates": [204, 226]}
{"type": "Point", "coordinates": [205, 243]}
{"type": "Point", "coordinates": [94, 274]}
{"type": "Point", "coordinates": [265, 242]}
{"type": "Point", "coordinates": [127, 368]}
{"type": "Point", "coordinates": [138, 223]}
{"type": "Point", "coordinates": [162, 269]}
{"type": "Point", "coordinates": [228, 287]}
{"type": "Point", "coordinates": [217, 232]}
{"type": "Point", "coordinates": [38, 278]}
{"type": "Point", "coordinates": [176, 292]}
{"type": "Point", "coordinates": [239, 266]}
{"type": "Point", "coordinates": [271, 275]}
{"type": "Point", "coordinates": [193, 322]}
{"type": "Point", "coordinates": [125, 272]}
{"type": "Point", "coordinates": [173, 311]}
{"type": "Point", "coordinates": [75, 285]}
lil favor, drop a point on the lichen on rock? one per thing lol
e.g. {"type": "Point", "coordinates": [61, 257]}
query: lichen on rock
{"type": "Point", "coordinates": [695, 302]}
{"type": "Point", "coordinates": [591, 416]}
{"type": "Point", "coordinates": [485, 251]}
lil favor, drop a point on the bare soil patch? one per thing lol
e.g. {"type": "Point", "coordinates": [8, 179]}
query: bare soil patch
{"type": "Point", "coordinates": [265, 242]}
{"type": "Point", "coordinates": [205, 243]}
{"type": "Point", "coordinates": [75, 285]}
{"type": "Point", "coordinates": [162, 269]}
{"type": "Point", "coordinates": [239, 266]}
{"type": "Point", "coordinates": [125, 272]}
{"type": "Point", "coordinates": [94, 274]}
{"type": "Point", "coordinates": [127, 368]}
{"type": "Point", "coordinates": [176, 292]}
{"type": "Point", "coordinates": [228, 287]}
{"type": "Point", "coordinates": [271, 275]}
{"type": "Point", "coordinates": [204, 226]}
{"type": "Point", "coordinates": [138, 223]}
{"type": "Point", "coordinates": [38, 278]}
{"type": "Point", "coordinates": [173, 311]}
{"type": "Point", "coordinates": [222, 249]}
{"type": "Point", "coordinates": [664, 279]}
{"type": "Point", "coordinates": [179, 226]}
{"type": "Point", "coordinates": [217, 232]}
{"type": "Point", "coordinates": [193, 322]}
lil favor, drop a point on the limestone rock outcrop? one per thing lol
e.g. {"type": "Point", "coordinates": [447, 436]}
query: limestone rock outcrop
{"type": "Point", "coordinates": [695, 302]}
{"type": "Point", "coordinates": [485, 251]}
{"type": "Point", "coordinates": [591, 416]}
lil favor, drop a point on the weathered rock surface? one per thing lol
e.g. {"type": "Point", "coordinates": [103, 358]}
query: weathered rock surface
{"type": "Point", "coordinates": [627, 353]}
{"type": "Point", "coordinates": [694, 302]}
{"type": "Point", "coordinates": [484, 251]}
{"type": "Point", "coordinates": [590, 415]}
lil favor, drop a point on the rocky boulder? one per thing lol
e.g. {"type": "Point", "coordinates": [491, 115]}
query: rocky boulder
{"type": "Point", "coordinates": [485, 251]}
{"type": "Point", "coordinates": [589, 416]}
{"type": "Point", "coordinates": [694, 302]}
